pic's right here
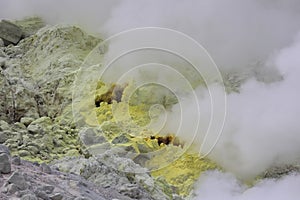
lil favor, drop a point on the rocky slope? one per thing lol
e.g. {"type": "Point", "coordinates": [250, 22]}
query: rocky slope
{"type": "Point", "coordinates": [44, 154]}
{"type": "Point", "coordinates": [37, 72]}
{"type": "Point", "coordinates": [21, 179]}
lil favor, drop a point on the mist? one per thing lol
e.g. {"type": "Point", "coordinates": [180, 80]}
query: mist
{"type": "Point", "coordinates": [216, 185]}
{"type": "Point", "coordinates": [255, 41]}
{"type": "Point", "coordinates": [90, 14]}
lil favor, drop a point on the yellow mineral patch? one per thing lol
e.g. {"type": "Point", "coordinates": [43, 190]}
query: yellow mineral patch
{"type": "Point", "coordinates": [104, 112]}
{"type": "Point", "coordinates": [139, 114]}
{"type": "Point", "coordinates": [183, 172]}
{"type": "Point", "coordinates": [124, 124]}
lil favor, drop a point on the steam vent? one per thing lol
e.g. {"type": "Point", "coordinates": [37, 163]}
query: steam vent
{"type": "Point", "coordinates": [119, 100]}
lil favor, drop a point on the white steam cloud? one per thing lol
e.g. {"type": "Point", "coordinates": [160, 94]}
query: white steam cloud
{"type": "Point", "coordinates": [216, 185]}
{"type": "Point", "coordinates": [258, 40]}
{"type": "Point", "coordinates": [261, 127]}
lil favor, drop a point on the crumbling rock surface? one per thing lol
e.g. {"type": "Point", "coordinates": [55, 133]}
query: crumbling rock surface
{"type": "Point", "coordinates": [29, 181]}
{"type": "Point", "coordinates": [36, 78]}
{"type": "Point", "coordinates": [39, 72]}
{"type": "Point", "coordinates": [280, 171]}
{"type": "Point", "coordinates": [122, 175]}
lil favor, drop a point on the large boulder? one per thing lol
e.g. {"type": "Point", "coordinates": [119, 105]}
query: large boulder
{"type": "Point", "coordinates": [10, 32]}
{"type": "Point", "coordinates": [5, 166]}
{"type": "Point", "coordinates": [18, 179]}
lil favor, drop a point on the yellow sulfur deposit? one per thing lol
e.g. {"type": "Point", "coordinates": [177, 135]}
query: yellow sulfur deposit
{"type": "Point", "coordinates": [183, 172]}
{"type": "Point", "coordinates": [124, 125]}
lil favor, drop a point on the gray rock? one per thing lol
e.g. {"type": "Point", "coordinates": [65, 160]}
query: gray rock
{"type": "Point", "coordinates": [141, 159]}
{"type": "Point", "coordinates": [3, 137]}
{"type": "Point", "coordinates": [86, 198]}
{"type": "Point", "coordinates": [280, 171]}
{"type": "Point", "coordinates": [89, 137]}
{"type": "Point", "coordinates": [56, 196]}
{"type": "Point", "coordinates": [41, 194]}
{"type": "Point", "coordinates": [44, 121]}
{"type": "Point", "coordinates": [122, 175]}
{"type": "Point", "coordinates": [16, 160]}
{"type": "Point", "coordinates": [40, 125]}
{"type": "Point", "coordinates": [120, 139]}
{"type": "Point", "coordinates": [23, 153]}
{"type": "Point", "coordinates": [2, 61]}
{"type": "Point", "coordinates": [33, 149]}
{"type": "Point", "coordinates": [98, 148]}
{"type": "Point", "coordinates": [46, 168]}
{"type": "Point", "coordinates": [177, 197]}
{"type": "Point", "coordinates": [1, 43]}
{"type": "Point", "coordinates": [4, 126]}
{"type": "Point", "coordinates": [19, 126]}
{"type": "Point", "coordinates": [29, 197]}
{"type": "Point", "coordinates": [9, 32]}
{"type": "Point", "coordinates": [48, 189]}
{"type": "Point", "coordinates": [21, 193]}
{"type": "Point", "coordinates": [5, 166]}
{"type": "Point", "coordinates": [18, 179]}
{"type": "Point", "coordinates": [133, 191]}
{"type": "Point", "coordinates": [34, 129]}
{"type": "Point", "coordinates": [12, 188]}
{"type": "Point", "coordinates": [26, 120]}
{"type": "Point", "coordinates": [81, 198]}
{"type": "Point", "coordinates": [4, 149]}
{"type": "Point", "coordinates": [2, 54]}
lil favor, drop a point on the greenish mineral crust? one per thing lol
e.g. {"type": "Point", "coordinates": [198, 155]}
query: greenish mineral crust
{"type": "Point", "coordinates": [36, 90]}
{"type": "Point", "coordinates": [169, 161]}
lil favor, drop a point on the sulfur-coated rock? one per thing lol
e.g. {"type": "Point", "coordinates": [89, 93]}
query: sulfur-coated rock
{"type": "Point", "coordinates": [24, 153]}
{"type": "Point", "coordinates": [30, 25]}
{"type": "Point", "coordinates": [26, 120]}
{"type": "Point", "coordinates": [34, 129]}
{"type": "Point", "coordinates": [4, 126]}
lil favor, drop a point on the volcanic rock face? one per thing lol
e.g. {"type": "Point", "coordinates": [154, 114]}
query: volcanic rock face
{"type": "Point", "coordinates": [36, 123]}
{"type": "Point", "coordinates": [28, 181]}
{"type": "Point", "coordinates": [38, 66]}
{"type": "Point", "coordinates": [39, 72]}
{"type": "Point", "coordinates": [99, 177]}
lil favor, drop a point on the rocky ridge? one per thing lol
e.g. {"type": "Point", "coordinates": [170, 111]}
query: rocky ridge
{"type": "Point", "coordinates": [36, 124]}
{"type": "Point", "coordinates": [23, 180]}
